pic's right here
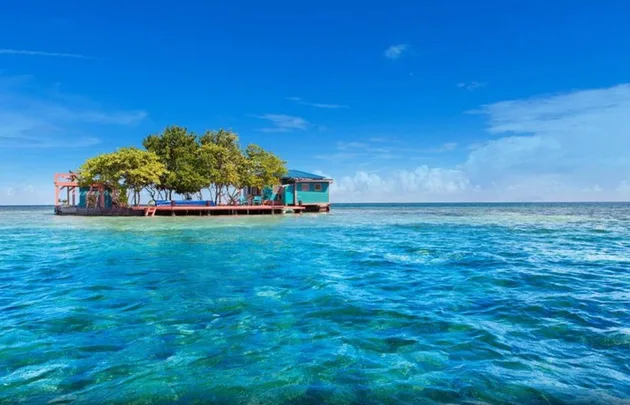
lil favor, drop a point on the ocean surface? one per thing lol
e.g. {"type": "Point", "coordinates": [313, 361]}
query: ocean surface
{"type": "Point", "coordinates": [370, 304]}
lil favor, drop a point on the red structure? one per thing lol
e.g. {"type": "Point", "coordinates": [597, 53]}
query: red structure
{"type": "Point", "coordinates": [69, 183]}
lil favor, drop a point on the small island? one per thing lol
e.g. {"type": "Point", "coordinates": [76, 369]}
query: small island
{"type": "Point", "coordinates": [182, 173]}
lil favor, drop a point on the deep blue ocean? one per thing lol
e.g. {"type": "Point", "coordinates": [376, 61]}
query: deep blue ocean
{"type": "Point", "coordinates": [370, 304]}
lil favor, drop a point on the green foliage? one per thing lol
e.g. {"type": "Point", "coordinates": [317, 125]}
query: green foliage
{"type": "Point", "coordinates": [127, 168]}
{"type": "Point", "coordinates": [177, 149]}
{"type": "Point", "coordinates": [121, 198]}
{"type": "Point", "coordinates": [222, 163]}
{"type": "Point", "coordinates": [263, 168]}
{"type": "Point", "coordinates": [223, 138]}
{"type": "Point", "coordinates": [99, 169]}
{"type": "Point", "coordinates": [176, 161]}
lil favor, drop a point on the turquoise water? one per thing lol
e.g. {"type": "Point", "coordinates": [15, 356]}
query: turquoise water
{"type": "Point", "coordinates": [413, 304]}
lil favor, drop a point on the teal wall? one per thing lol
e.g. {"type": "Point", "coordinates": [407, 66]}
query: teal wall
{"type": "Point", "coordinates": [83, 191]}
{"type": "Point", "coordinates": [307, 197]}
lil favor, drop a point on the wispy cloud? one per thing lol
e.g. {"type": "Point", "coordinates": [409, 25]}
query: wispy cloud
{"type": "Point", "coordinates": [318, 105]}
{"type": "Point", "coordinates": [284, 123]}
{"type": "Point", "coordinates": [449, 146]}
{"type": "Point", "coordinates": [33, 119]}
{"type": "Point", "coordinates": [554, 144]}
{"type": "Point", "coordinates": [383, 139]}
{"type": "Point", "coordinates": [422, 183]}
{"type": "Point", "coordinates": [5, 51]}
{"type": "Point", "coordinates": [396, 51]}
{"type": "Point", "coordinates": [25, 193]}
{"type": "Point", "coordinates": [375, 145]}
{"type": "Point", "coordinates": [379, 148]}
{"type": "Point", "coordinates": [342, 145]}
{"type": "Point", "coordinates": [557, 147]}
{"type": "Point", "coordinates": [472, 85]}
{"type": "Point", "coordinates": [338, 156]}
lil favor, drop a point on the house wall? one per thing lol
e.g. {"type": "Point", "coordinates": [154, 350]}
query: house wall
{"type": "Point", "coordinates": [310, 196]}
{"type": "Point", "coordinates": [83, 192]}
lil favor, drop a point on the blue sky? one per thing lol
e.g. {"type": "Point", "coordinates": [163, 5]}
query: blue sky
{"type": "Point", "coordinates": [397, 101]}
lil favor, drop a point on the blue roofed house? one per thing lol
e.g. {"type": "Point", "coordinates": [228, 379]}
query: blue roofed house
{"type": "Point", "coordinates": [296, 188]}
{"type": "Point", "coordinates": [305, 189]}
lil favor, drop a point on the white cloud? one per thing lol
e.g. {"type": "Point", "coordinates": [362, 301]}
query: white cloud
{"type": "Point", "coordinates": [339, 156]}
{"type": "Point", "coordinates": [579, 139]}
{"type": "Point", "coordinates": [50, 119]}
{"type": "Point", "coordinates": [624, 188]}
{"type": "Point", "coordinates": [559, 147]}
{"type": "Point", "coordinates": [396, 51]}
{"type": "Point", "coordinates": [40, 53]}
{"type": "Point", "coordinates": [16, 193]}
{"type": "Point", "coordinates": [284, 123]}
{"type": "Point", "coordinates": [342, 145]}
{"type": "Point", "coordinates": [433, 180]}
{"type": "Point", "coordinates": [421, 184]}
{"type": "Point", "coordinates": [317, 105]}
{"type": "Point", "coordinates": [321, 173]}
{"type": "Point", "coordinates": [472, 85]}
{"type": "Point", "coordinates": [448, 146]}
{"type": "Point", "coordinates": [380, 148]}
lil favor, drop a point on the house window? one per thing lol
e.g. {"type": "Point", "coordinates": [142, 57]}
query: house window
{"type": "Point", "coordinates": [317, 186]}
{"type": "Point", "coordinates": [305, 187]}
{"type": "Point", "coordinates": [252, 190]}
{"type": "Point", "coordinates": [280, 194]}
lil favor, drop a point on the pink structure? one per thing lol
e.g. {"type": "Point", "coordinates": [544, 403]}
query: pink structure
{"type": "Point", "coordinates": [68, 182]}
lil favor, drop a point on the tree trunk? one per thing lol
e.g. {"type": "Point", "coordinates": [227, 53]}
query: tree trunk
{"type": "Point", "coordinates": [217, 193]}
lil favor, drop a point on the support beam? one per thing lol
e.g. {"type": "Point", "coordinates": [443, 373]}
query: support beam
{"type": "Point", "coordinates": [101, 196]}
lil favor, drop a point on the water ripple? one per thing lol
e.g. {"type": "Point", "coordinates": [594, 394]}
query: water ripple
{"type": "Point", "coordinates": [410, 304]}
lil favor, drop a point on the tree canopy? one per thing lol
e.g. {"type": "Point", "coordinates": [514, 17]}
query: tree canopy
{"type": "Point", "coordinates": [177, 150]}
{"type": "Point", "coordinates": [127, 169]}
{"type": "Point", "coordinates": [177, 161]}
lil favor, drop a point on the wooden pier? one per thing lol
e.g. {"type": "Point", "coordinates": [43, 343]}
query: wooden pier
{"type": "Point", "coordinates": [182, 210]}
{"type": "Point", "coordinates": [152, 210]}
{"type": "Point", "coordinates": [99, 200]}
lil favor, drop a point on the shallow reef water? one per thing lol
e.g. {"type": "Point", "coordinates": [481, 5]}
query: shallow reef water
{"type": "Point", "coordinates": [370, 304]}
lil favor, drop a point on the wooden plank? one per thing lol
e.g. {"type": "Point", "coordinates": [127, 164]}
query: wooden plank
{"type": "Point", "coordinates": [229, 208]}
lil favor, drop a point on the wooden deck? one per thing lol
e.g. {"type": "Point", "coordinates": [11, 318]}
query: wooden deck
{"type": "Point", "coordinates": [192, 210]}
{"type": "Point", "coordinates": [152, 210]}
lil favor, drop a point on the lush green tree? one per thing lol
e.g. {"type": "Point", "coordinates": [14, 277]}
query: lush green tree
{"type": "Point", "coordinates": [221, 162]}
{"type": "Point", "coordinates": [99, 169]}
{"type": "Point", "coordinates": [126, 169]}
{"type": "Point", "coordinates": [176, 161]}
{"type": "Point", "coordinates": [225, 138]}
{"type": "Point", "coordinates": [177, 149]}
{"type": "Point", "coordinates": [263, 168]}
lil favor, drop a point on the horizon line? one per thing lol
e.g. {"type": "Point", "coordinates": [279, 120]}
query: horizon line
{"type": "Point", "coordinates": [415, 202]}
